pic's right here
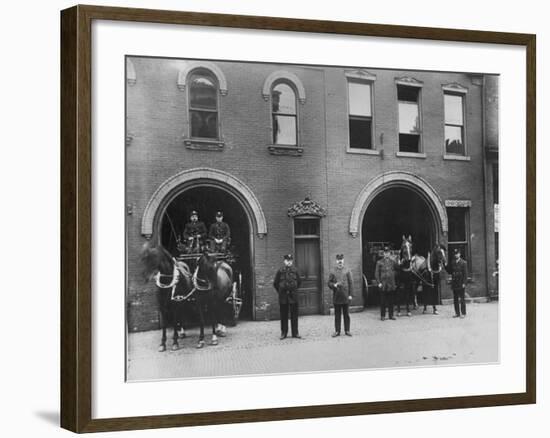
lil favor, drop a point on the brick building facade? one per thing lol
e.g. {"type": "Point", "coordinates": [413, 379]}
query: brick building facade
{"type": "Point", "coordinates": [348, 158]}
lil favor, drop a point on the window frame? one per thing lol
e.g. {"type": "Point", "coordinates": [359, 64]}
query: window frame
{"type": "Point", "coordinates": [213, 77]}
{"type": "Point", "coordinates": [457, 90]}
{"type": "Point", "coordinates": [370, 82]}
{"type": "Point", "coordinates": [467, 243]}
{"type": "Point", "coordinates": [411, 83]}
{"type": "Point", "coordinates": [462, 127]}
{"type": "Point", "coordinates": [296, 115]}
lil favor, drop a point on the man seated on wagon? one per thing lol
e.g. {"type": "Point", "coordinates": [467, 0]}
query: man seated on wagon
{"type": "Point", "coordinates": [219, 234]}
{"type": "Point", "coordinates": [194, 234]}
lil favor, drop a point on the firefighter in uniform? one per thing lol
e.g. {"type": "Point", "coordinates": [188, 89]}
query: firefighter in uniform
{"type": "Point", "coordinates": [219, 234]}
{"type": "Point", "coordinates": [286, 283]}
{"type": "Point", "coordinates": [459, 274]}
{"type": "Point", "coordinates": [341, 283]}
{"type": "Point", "coordinates": [194, 234]}
{"type": "Point", "coordinates": [384, 272]}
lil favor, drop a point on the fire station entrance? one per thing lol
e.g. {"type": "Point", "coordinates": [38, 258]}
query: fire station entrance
{"type": "Point", "coordinates": [394, 212]}
{"type": "Point", "coordinates": [207, 200]}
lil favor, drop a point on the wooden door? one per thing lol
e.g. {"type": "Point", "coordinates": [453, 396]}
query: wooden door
{"type": "Point", "coordinates": [308, 263]}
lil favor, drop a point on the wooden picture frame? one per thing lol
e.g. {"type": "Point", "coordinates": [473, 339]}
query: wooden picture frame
{"type": "Point", "coordinates": [76, 217]}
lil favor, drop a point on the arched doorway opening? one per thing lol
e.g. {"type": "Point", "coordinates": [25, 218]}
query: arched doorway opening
{"type": "Point", "coordinates": [392, 213]}
{"type": "Point", "coordinates": [207, 199]}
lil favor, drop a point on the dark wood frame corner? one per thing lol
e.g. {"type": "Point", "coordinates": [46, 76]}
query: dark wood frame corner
{"type": "Point", "coordinates": [76, 222]}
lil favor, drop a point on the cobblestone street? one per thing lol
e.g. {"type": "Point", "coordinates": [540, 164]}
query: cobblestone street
{"type": "Point", "coordinates": [253, 347]}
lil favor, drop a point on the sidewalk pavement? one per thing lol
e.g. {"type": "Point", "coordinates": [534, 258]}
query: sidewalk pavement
{"type": "Point", "coordinates": [253, 347]}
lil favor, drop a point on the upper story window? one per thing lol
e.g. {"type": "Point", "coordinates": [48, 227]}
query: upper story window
{"type": "Point", "coordinates": [454, 124]}
{"type": "Point", "coordinates": [203, 105]}
{"type": "Point", "coordinates": [410, 128]}
{"type": "Point", "coordinates": [360, 114]}
{"type": "Point", "coordinates": [285, 122]}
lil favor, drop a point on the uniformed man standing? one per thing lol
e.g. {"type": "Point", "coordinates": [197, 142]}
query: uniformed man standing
{"type": "Point", "coordinates": [286, 283]}
{"type": "Point", "coordinates": [384, 273]}
{"type": "Point", "coordinates": [194, 234]}
{"type": "Point", "coordinates": [219, 234]}
{"type": "Point", "coordinates": [341, 283]}
{"type": "Point", "coordinates": [459, 272]}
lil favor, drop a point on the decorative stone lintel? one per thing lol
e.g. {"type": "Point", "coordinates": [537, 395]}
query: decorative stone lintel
{"type": "Point", "coordinates": [464, 203]}
{"type": "Point", "coordinates": [307, 207]}
{"type": "Point", "coordinates": [294, 151]}
{"type": "Point", "coordinates": [409, 81]}
{"type": "Point", "coordinates": [363, 75]}
{"type": "Point", "coordinates": [454, 87]}
{"type": "Point", "coordinates": [204, 145]}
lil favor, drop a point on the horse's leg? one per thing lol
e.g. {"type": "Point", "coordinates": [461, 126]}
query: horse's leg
{"type": "Point", "coordinates": [213, 310]}
{"type": "Point", "coordinates": [162, 346]}
{"type": "Point", "coordinates": [175, 316]}
{"type": "Point", "coordinates": [200, 307]}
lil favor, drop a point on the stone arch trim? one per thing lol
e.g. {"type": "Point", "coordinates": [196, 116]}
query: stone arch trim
{"type": "Point", "coordinates": [193, 65]}
{"type": "Point", "coordinates": [203, 174]}
{"type": "Point", "coordinates": [287, 76]}
{"type": "Point", "coordinates": [396, 179]}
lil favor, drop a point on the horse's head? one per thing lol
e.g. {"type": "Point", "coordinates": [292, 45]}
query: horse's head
{"type": "Point", "coordinates": [206, 267]}
{"type": "Point", "coordinates": [153, 260]}
{"type": "Point", "coordinates": [438, 257]}
{"type": "Point", "coordinates": [406, 252]}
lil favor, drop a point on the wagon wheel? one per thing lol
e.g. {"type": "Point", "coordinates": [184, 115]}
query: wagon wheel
{"type": "Point", "coordinates": [366, 283]}
{"type": "Point", "coordinates": [235, 299]}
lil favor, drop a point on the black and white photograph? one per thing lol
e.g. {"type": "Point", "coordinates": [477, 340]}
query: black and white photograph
{"type": "Point", "coordinates": [285, 218]}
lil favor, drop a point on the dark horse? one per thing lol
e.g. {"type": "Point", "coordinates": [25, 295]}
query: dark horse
{"type": "Point", "coordinates": [431, 287]}
{"type": "Point", "coordinates": [405, 279]}
{"type": "Point", "coordinates": [213, 280]}
{"type": "Point", "coordinates": [173, 280]}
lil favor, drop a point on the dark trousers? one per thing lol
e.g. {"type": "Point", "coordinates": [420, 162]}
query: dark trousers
{"type": "Point", "coordinates": [386, 301]}
{"type": "Point", "coordinates": [459, 295]}
{"type": "Point", "coordinates": [340, 309]}
{"type": "Point", "coordinates": [285, 309]}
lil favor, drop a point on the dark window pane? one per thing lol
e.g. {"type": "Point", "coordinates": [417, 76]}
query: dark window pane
{"type": "Point", "coordinates": [359, 99]}
{"type": "Point", "coordinates": [204, 124]}
{"type": "Point", "coordinates": [457, 224]}
{"type": "Point", "coordinates": [283, 99]}
{"type": "Point", "coordinates": [284, 130]}
{"type": "Point", "coordinates": [306, 227]}
{"type": "Point", "coordinates": [409, 143]}
{"type": "Point", "coordinates": [202, 92]}
{"type": "Point", "coordinates": [407, 94]}
{"type": "Point", "coordinates": [453, 109]}
{"type": "Point", "coordinates": [360, 133]}
{"type": "Point", "coordinates": [453, 140]}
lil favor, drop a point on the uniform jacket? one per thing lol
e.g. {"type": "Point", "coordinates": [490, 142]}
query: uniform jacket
{"type": "Point", "coordinates": [193, 229]}
{"type": "Point", "coordinates": [384, 272]}
{"type": "Point", "coordinates": [459, 272]}
{"type": "Point", "coordinates": [342, 292]}
{"type": "Point", "coordinates": [286, 283]}
{"type": "Point", "coordinates": [219, 230]}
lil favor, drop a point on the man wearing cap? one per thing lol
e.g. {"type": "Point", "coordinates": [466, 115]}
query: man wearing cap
{"type": "Point", "coordinates": [194, 234]}
{"type": "Point", "coordinates": [286, 283]}
{"type": "Point", "coordinates": [341, 283]}
{"type": "Point", "coordinates": [384, 273]}
{"type": "Point", "coordinates": [219, 234]}
{"type": "Point", "coordinates": [459, 274]}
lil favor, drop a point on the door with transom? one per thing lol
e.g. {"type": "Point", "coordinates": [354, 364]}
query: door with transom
{"type": "Point", "coordinates": [308, 262]}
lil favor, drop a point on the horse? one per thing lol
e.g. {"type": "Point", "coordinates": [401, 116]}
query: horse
{"type": "Point", "coordinates": [405, 278]}
{"type": "Point", "coordinates": [213, 280]}
{"type": "Point", "coordinates": [438, 261]}
{"type": "Point", "coordinates": [174, 286]}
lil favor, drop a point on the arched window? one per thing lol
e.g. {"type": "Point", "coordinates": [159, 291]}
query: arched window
{"type": "Point", "coordinates": [203, 104]}
{"type": "Point", "coordinates": [283, 110]}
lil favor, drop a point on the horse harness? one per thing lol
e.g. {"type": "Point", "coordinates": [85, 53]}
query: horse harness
{"type": "Point", "coordinates": [176, 273]}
